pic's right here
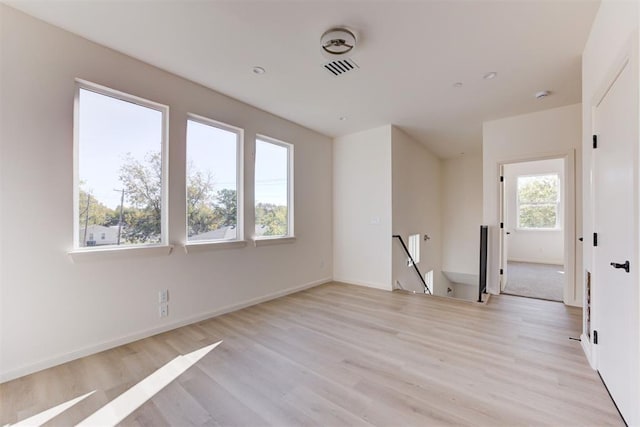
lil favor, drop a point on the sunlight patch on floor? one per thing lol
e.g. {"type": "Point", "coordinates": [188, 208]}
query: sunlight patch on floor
{"type": "Point", "coordinates": [44, 416]}
{"type": "Point", "coordinates": [122, 406]}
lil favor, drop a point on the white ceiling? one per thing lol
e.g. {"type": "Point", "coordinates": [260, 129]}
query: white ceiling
{"type": "Point", "coordinates": [410, 54]}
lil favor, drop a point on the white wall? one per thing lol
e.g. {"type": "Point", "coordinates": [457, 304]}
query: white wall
{"type": "Point", "coordinates": [541, 246]}
{"type": "Point", "coordinates": [461, 213]}
{"type": "Point", "coordinates": [416, 209]}
{"type": "Point", "coordinates": [362, 208]}
{"type": "Point", "coordinates": [50, 312]}
{"type": "Point", "coordinates": [549, 133]}
{"type": "Point", "coordinates": [615, 27]}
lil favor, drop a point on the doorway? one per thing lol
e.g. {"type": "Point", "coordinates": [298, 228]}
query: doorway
{"type": "Point", "coordinates": [534, 229]}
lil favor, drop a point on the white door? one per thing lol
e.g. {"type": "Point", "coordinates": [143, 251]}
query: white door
{"type": "Point", "coordinates": [615, 290]}
{"type": "Point", "coordinates": [504, 242]}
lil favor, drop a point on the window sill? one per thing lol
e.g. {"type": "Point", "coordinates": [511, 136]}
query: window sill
{"type": "Point", "coordinates": [538, 229]}
{"type": "Point", "coordinates": [267, 241]}
{"type": "Point", "coordinates": [82, 255]}
{"type": "Point", "coordinates": [213, 246]}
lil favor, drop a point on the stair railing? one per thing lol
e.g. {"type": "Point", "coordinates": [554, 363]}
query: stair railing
{"type": "Point", "coordinates": [482, 278]}
{"type": "Point", "coordinates": [406, 251]}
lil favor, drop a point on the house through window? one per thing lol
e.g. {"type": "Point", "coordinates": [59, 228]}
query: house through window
{"type": "Point", "coordinates": [120, 168]}
{"type": "Point", "coordinates": [213, 165]}
{"type": "Point", "coordinates": [273, 188]}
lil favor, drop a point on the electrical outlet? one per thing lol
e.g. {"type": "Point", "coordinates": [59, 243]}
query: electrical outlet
{"type": "Point", "coordinates": [163, 296]}
{"type": "Point", "coordinates": [164, 310]}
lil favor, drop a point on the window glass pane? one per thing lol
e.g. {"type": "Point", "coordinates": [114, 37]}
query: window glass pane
{"type": "Point", "coordinates": [538, 201]}
{"type": "Point", "coordinates": [212, 198]}
{"type": "Point", "coordinates": [119, 170]}
{"type": "Point", "coordinates": [271, 189]}
{"type": "Point", "coordinates": [538, 216]}
{"type": "Point", "coordinates": [538, 189]}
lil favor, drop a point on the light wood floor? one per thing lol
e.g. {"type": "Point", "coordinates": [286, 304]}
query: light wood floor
{"type": "Point", "coordinates": [346, 355]}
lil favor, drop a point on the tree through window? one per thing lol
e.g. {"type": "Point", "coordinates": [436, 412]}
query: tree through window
{"type": "Point", "coordinates": [538, 200]}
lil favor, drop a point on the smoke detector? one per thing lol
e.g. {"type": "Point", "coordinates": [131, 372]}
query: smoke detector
{"type": "Point", "coordinates": [336, 45]}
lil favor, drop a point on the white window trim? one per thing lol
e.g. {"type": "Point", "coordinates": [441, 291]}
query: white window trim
{"type": "Point", "coordinates": [559, 215]}
{"type": "Point", "coordinates": [81, 253]}
{"type": "Point", "coordinates": [100, 253]}
{"type": "Point", "coordinates": [290, 236]}
{"type": "Point", "coordinates": [199, 245]}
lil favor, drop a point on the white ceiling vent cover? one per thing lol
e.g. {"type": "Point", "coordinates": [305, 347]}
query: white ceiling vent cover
{"type": "Point", "coordinates": [341, 66]}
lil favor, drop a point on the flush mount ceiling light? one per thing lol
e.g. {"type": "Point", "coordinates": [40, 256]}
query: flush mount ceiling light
{"type": "Point", "coordinates": [490, 76]}
{"type": "Point", "coordinates": [458, 84]}
{"type": "Point", "coordinates": [542, 94]}
{"type": "Point", "coordinates": [337, 42]}
{"type": "Point", "coordinates": [259, 70]}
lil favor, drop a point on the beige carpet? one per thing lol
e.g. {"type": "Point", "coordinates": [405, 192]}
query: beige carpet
{"type": "Point", "coordinates": [544, 281]}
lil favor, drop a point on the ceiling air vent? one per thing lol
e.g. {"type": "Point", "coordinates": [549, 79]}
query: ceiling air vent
{"type": "Point", "coordinates": [340, 66]}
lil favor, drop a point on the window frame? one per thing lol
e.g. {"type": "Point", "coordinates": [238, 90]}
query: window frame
{"type": "Point", "coordinates": [81, 84]}
{"type": "Point", "coordinates": [290, 236]}
{"type": "Point", "coordinates": [189, 245]}
{"type": "Point", "coordinates": [558, 203]}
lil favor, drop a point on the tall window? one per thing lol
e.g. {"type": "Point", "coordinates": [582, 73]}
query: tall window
{"type": "Point", "coordinates": [273, 188]}
{"type": "Point", "coordinates": [538, 201]}
{"type": "Point", "coordinates": [120, 172]}
{"type": "Point", "coordinates": [213, 162]}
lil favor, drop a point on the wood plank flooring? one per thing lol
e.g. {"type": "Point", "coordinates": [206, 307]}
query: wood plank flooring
{"type": "Point", "coordinates": [346, 355]}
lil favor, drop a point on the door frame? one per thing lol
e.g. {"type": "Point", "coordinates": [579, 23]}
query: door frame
{"type": "Point", "coordinates": [570, 289]}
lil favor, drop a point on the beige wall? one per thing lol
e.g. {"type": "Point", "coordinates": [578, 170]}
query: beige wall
{"type": "Point", "coordinates": [49, 311]}
{"type": "Point", "coordinates": [548, 133]}
{"type": "Point", "coordinates": [362, 208]}
{"type": "Point", "coordinates": [416, 209]}
{"type": "Point", "coordinates": [461, 213]}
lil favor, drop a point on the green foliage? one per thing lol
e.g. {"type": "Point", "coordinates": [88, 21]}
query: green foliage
{"type": "Point", "coordinates": [200, 215]}
{"type": "Point", "coordinates": [92, 212]}
{"type": "Point", "coordinates": [273, 218]}
{"type": "Point", "coordinates": [538, 198]}
{"type": "Point", "coordinates": [142, 183]}
{"type": "Point", "coordinates": [538, 216]}
{"type": "Point", "coordinates": [226, 207]}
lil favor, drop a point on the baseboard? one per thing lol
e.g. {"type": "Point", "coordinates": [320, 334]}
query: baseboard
{"type": "Point", "coordinates": [106, 345]}
{"type": "Point", "coordinates": [537, 261]}
{"type": "Point", "coordinates": [366, 284]}
{"type": "Point", "coordinates": [586, 347]}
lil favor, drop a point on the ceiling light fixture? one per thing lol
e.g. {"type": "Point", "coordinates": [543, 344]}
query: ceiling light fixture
{"type": "Point", "coordinates": [542, 94]}
{"type": "Point", "coordinates": [337, 42]}
{"type": "Point", "coordinates": [458, 84]}
{"type": "Point", "coordinates": [259, 70]}
{"type": "Point", "coordinates": [490, 76]}
{"type": "Point", "coordinates": [342, 119]}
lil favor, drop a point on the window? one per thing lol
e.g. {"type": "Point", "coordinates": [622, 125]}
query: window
{"type": "Point", "coordinates": [538, 201]}
{"type": "Point", "coordinates": [273, 188]}
{"type": "Point", "coordinates": [414, 249]}
{"type": "Point", "coordinates": [119, 167]}
{"type": "Point", "coordinates": [213, 166]}
{"type": "Point", "coordinates": [428, 279]}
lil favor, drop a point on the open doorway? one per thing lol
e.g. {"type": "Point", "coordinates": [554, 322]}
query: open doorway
{"type": "Point", "coordinates": [533, 250]}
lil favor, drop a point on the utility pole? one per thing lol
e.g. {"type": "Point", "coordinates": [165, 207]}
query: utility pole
{"type": "Point", "coordinates": [86, 221]}
{"type": "Point", "coordinates": [121, 212]}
